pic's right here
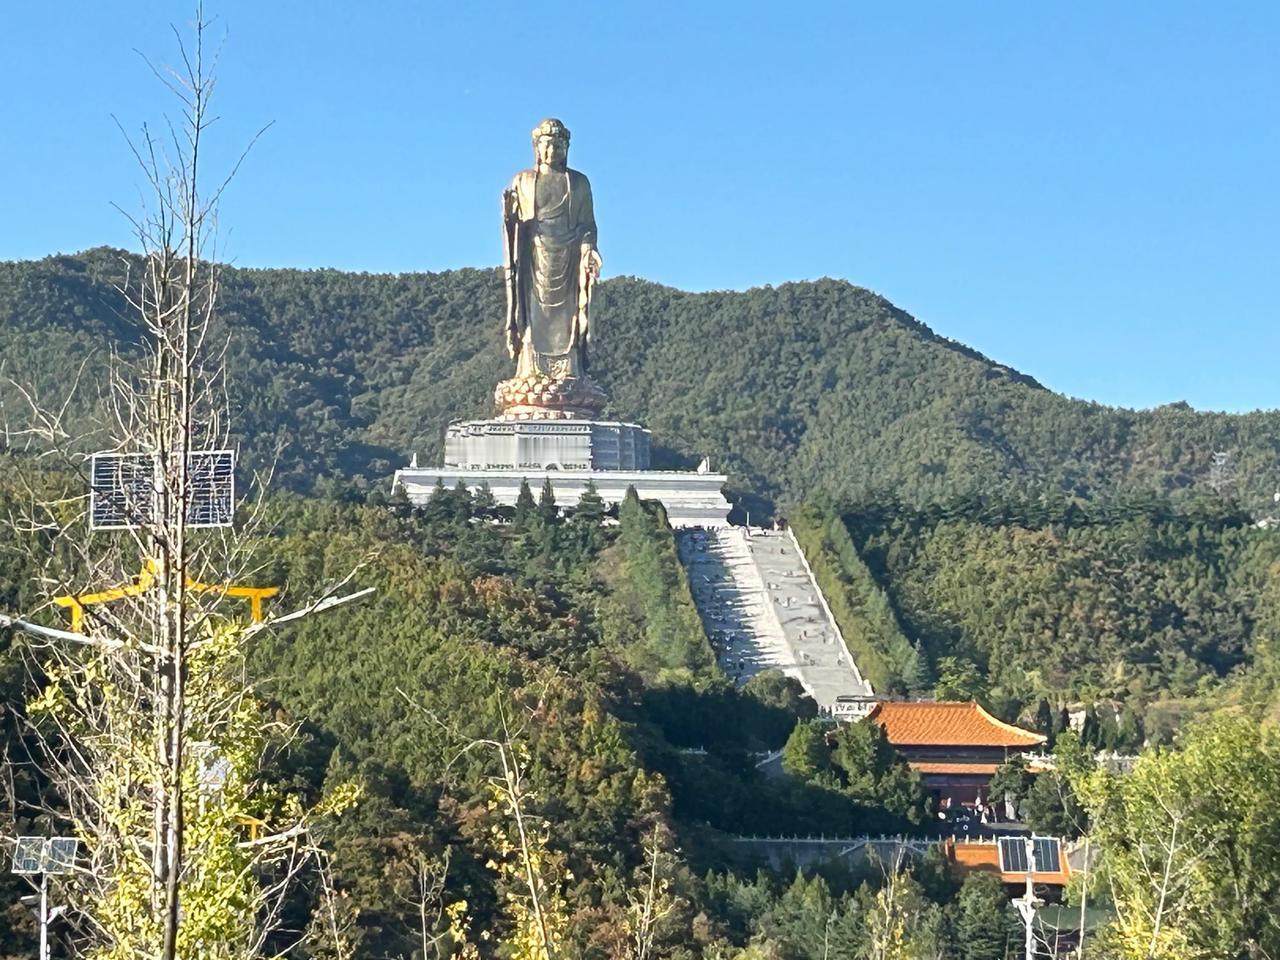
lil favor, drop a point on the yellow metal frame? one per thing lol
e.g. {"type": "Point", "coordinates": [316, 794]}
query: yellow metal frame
{"type": "Point", "coordinates": [255, 825]}
{"type": "Point", "coordinates": [146, 578]}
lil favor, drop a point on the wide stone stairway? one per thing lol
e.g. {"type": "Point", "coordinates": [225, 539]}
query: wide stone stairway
{"type": "Point", "coordinates": [762, 610]}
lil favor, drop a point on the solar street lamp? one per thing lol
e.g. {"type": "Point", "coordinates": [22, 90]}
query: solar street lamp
{"type": "Point", "coordinates": [1031, 853]}
{"type": "Point", "coordinates": [46, 856]}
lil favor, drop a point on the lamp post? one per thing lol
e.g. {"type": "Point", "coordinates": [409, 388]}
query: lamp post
{"type": "Point", "coordinates": [46, 856]}
{"type": "Point", "coordinates": [1029, 902]}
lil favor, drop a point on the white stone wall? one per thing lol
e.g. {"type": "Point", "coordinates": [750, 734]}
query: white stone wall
{"type": "Point", "coordinates": [690, 499]}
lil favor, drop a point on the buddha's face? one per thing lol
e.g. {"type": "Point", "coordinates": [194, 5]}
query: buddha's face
{"type": "Point", "coordinates": [552, 152]}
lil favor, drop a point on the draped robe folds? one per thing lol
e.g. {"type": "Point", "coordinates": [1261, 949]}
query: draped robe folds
{"type": "Point", "coordinates": [554, 225]}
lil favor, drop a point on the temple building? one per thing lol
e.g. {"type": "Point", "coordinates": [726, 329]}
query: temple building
{"type": "Point", "coordinates": [956, 747]}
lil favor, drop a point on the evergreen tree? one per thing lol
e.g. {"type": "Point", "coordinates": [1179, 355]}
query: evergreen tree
{"type": "Point", "coordinates": [1062, 723]}
{"type": "Point", "coordinates": [547, 509]}
{"type": "Point", "coordinates": [1012, 781]}
{"type": "Point", "coordinates": [1051, 807]}
{"type": "Point", "coordinates": [590, 508]}
{"type": "Point", "coordinates": [1130, 736]}
{"type": "Point", "coordinates": [808, 923]}
{"type": "Point", "coordinates": [913, 671]}
{"type": "Point", "coordinates": [806, 754]}
{"type": "Point", "coordinates": [1108, 730]}
{"type": "Point", "coordinates": [1044, 721]}
{"type": "Point", "coordinates": [775, 689]}
{"type": "Point", "coordinates": [985, 924]}
{"type": "Point", "coordinates": [873, 772]}
{"type": "Point", "coordinates": [587, 519]}
{"type": "Point", "coordinates": [1089, 727]}
{"type": "Point", "coordinates": [436, 509]}
{"type": "Point", "coordinates": [483, 500]}
{"type": "Point", "coordinates": [462, 502]}
{"type": "Point", "coordinates": [959, 679]}
{"type": "Point", "coordinates": [526, 508]}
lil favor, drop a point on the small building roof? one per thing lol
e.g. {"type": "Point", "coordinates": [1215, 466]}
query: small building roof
{"type": "Point", "coordinates": [948, 723]}
{"type": "Point", "coordinates": [983, 855]}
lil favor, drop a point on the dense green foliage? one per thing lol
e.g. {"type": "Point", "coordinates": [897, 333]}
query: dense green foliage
{"type": "Point", "coordinates": [859, 604]}
{"type": "Point", "coordinates": [1138, 601]}
{"type": "Point", "coordinates": [802, 388]}
{"type": "Point", "coordinates": [652, 592]}
{"type": "Point", "coordinates": [491, 622]}
{"type": "Point", "coordinates": [1045, 799]}
{"type": "Point", "coordinates": [1191, 846]}
{"type": "Point", "coordinates": [857, 760]}
{"type": "Point", "coordinates": [986, 926]}
{"type": "Point", "coordinates": [1013, 562]}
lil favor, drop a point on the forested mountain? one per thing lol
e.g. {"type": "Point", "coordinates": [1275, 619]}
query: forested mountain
{"type": "Point", "coordinates": [806, 387]}
{"type": "Point", "coordinates": [976, 534]}
{"type": "Point", "coordinates": [1137, 602]}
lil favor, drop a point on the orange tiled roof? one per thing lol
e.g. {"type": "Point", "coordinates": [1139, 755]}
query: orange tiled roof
{"type": "Point", "coordinates": [930, 766]}
{"type": "Point", "coordinates": [985, 856]}
{"type": "Point", "coordinates": [975, 856]}
{"type": "Point", "coordinates": [948, 724]}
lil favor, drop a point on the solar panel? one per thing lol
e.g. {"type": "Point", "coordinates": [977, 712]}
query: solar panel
{"type": "Point", "coordinates": [1046, 854]}
{"type": "Point", "coordinates": [120, 486]}
{"type": "Point", "coordinates": [28, 855]}
{"type": "Point", "coordinates": [212, 475]}
{"type": "Point", "coordinates": [120, 490]}
{"type": "Point", "coordinates": [1013, 855]}
{"type": "Point", "coordinates": [60, 854]}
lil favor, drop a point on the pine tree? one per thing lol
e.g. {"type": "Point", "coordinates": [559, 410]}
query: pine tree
{"type": "Point", "coordinates": [526, 508]}
{"type": "Point", "coordinates": [806, 753]}
{"type": "Point", "coordinates": [461, 502]}
{"type": "Point", "coordinates": [913, 672]}
{"type": "Point", "coordinates": [1108, 731]}
{"type": "Point", "coordinates": [1089, 727]}
{"type": "Point", "coordinates": [590, 507]}
{"type": "Point", "coordinates": [958, 679]}
{"type": "Point", "coordinates": [1130, 735]}
{"type": "Point", "coordinates": [1062, 723]}
{"type": "Point", "coordinates": [483, 499]}
{"type": "Point", "coordinates": [1044, 721]}
{"type": "Point", "coordinates": [984, 920]}
{"type": "Point", "coordinates": [547, 508]}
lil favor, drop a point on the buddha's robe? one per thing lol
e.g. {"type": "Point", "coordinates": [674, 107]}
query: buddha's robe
{"type": "Point", "coordinates": [555, 226]}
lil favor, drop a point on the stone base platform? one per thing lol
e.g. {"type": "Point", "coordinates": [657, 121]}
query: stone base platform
{"type": "Point", "coordinates": [690, 499]}
{"type": "Point", "coordinates": [545, 444]}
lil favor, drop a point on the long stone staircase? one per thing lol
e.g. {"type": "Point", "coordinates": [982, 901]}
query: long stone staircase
{"type": "Point", "coordinates": [762, 610]}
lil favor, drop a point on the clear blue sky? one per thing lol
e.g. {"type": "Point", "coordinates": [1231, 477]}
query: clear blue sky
{"type": "Point", "coordinates": [1089, 192]}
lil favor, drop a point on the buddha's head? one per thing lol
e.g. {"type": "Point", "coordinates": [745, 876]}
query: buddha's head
{"type": "Point", "coordinates": [551, 144]}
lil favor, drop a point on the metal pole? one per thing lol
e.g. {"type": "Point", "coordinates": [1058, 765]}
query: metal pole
{"type": "Point", "coordinates": [1027, 904]}
{"type": "Point", "coordinates": [1084, 895]}
{"type": "Point", "coordinates": [44, 916]}
{"type": "Point", "coordinates": [1029, 947]}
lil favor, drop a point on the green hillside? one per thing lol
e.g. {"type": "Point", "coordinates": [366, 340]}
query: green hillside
{"type": "Point", "coordinates": [1136, 602]}
{"type": "Point", "coordinates": [793, 390]}
{"type": "Point", "coordinates": [580, 634]}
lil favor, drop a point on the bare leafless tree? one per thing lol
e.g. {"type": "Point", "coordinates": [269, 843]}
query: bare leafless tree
{"type": "Point", "coordinates": [651, 901]}
{"type": "Point", "coordinates": [534, 879]}
{"type": "Point", "coordinates": [145, 723]}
